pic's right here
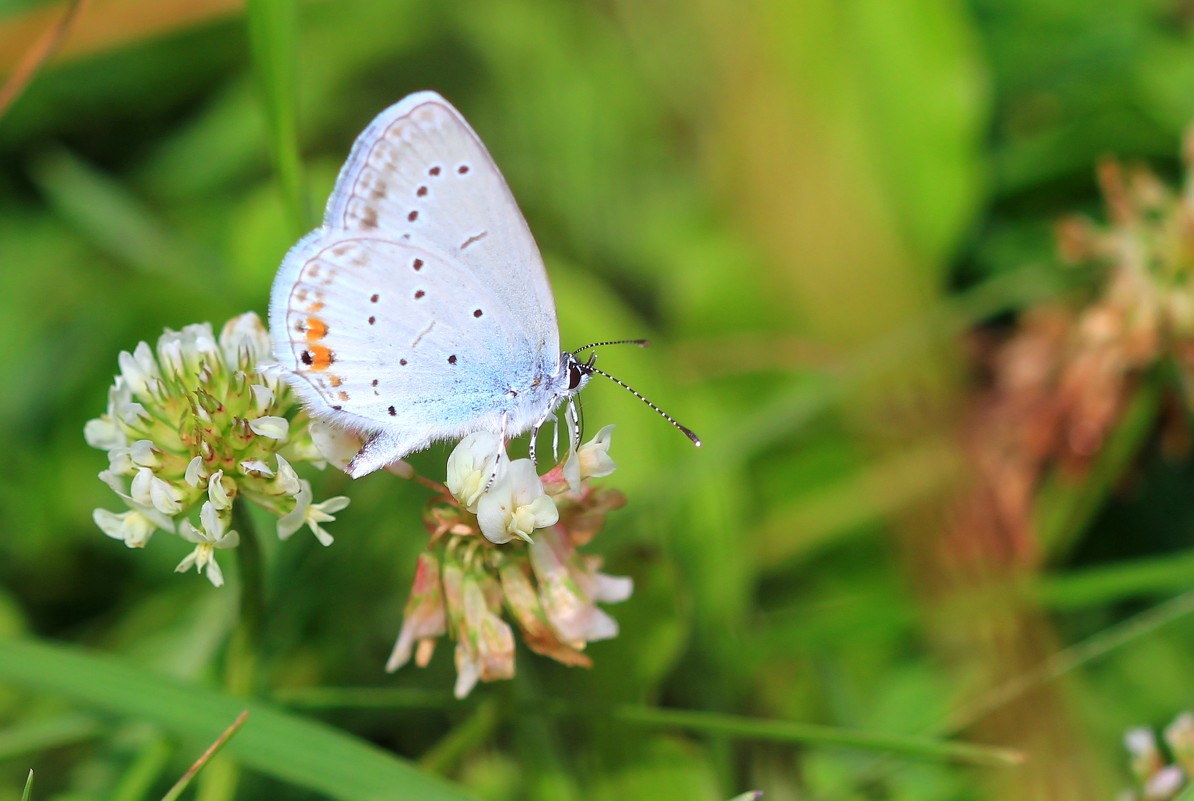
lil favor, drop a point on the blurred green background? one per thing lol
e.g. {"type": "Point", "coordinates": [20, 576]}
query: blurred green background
{"type": "Point", "coordinates": [809, 207]}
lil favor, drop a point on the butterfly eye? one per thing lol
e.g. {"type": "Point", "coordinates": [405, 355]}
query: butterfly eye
{"type": "Point", "coordinates": [576, 372]}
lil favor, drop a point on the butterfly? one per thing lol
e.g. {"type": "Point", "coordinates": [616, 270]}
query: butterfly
{"type": "Point", "coordinates": [420, 309]}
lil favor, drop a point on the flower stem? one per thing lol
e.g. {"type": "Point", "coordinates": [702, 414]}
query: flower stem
{"type": "Point", "coordinates": [240, 670]}
{"type": "Point", "coordinates": [219, 781]}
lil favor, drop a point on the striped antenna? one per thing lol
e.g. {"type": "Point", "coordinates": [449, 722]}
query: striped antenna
{"type": "Point", "coordinates": [642, 343]}
{"type": "Point", "coordinates": [685, 430]}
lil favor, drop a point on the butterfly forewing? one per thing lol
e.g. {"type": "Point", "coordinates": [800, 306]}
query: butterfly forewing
{"type": "Point", "coordinates": [420, 174]}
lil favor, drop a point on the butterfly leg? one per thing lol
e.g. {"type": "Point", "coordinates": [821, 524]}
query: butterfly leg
{"type": "Point", "coordinates": [497, 459]}
{"type": "Point", "coordinates": [575, 423]}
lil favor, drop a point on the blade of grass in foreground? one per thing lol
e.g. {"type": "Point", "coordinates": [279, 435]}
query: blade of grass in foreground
{"type": "Point", "coordinates": [919, 747]}
{"type": "Point", "coordinates": [273, 40]}
{"type": "Point", "coordinates": [302, 752]}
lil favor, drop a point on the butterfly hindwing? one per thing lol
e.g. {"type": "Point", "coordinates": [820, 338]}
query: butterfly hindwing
{"type": "Point", "coordinates": [383, 336]}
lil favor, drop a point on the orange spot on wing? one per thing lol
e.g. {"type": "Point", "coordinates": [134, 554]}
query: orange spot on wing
{"type": "Point", "coordinates": [315, 307]}
{"type": "Point", "coordinates": [321, 357]}
{"type": "Point", "coordinates": [316, 329]}
{"type": "Point", "coordinates": [335, 381]}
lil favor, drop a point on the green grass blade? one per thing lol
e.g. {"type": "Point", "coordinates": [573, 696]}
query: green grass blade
{"type": "Point", "coordinates": [1108, 584]}
{"type": "Point", "coordinates": [25, 796]}
{"type": "Point", "coordinates": [302, 752]}
{"type": "Point", "coordinates": [273, 40]}
{"type": "Point", "coordinates": [1064, 507]}
{"type": "Point", "coordinates": [784, 731]}
{"type": "Point", "coordinates": [39, 735]}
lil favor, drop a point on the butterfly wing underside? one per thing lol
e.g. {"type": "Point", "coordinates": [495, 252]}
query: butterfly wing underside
{"type": "Point", "coordinates": [420, 310]}
{"type": "Point", "coordinates": [391, 339]}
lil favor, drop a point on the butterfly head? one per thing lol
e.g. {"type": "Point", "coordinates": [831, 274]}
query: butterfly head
{"type": "Point", "coordinates": [578, 373]}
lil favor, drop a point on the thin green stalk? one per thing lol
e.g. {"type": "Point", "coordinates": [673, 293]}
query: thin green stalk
{"type": "Point", "coordinates": [273, 42]}
{"type": "Point", "coordinates": [1070, 659]}
{"type": "Point", "coordinates": [245, 645]}
{"type": "Point", "coordinates": [1064, 507]}
{"type": "Point", "coordinates": [219, 781]}
{"type": "Point", "coordinates": [462, 739]}
{"type": "Point", "coordinates": [181, 785]}
{"type": "Point", "coordinates": [146, 768]}
{"type": "Point", "coordinates": [793, 732]}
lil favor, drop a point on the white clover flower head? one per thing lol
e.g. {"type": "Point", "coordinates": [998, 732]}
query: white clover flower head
{"type": "Point", "coordinates": [196, 421]}
{"type": "Point", "coordinates": [474, 464]}
{"type": "Point", "coordinates": [590, 460]}
{"type": "Point", "coordinates": [212, 535]}
{"type": "Point", "coordinates": [515, 505]}
{"type": "Point", "coordinates": [311, 515]}
{"type": "Point", "coordinates": [549, 590]}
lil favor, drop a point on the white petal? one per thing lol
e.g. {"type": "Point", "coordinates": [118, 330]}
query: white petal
{"type": "Point", "coordinates": [137, 368]}
{"type": "Point", "coordinates": [213, 522]}
{"type": "Point", "coordinates": [293, 521]}
{"type": "Point", "coordinates": [324, 538]}
{"type": "Point", "coordinates": [167, 498]}
{"type": "Point", "coordinates": [494, 512]}
{"type": "Point", "coordinates": [144, 454]}
{"type": "Point", "coordinates": [272, 427]}
{"type": "Point", "coordinates": [214, 574]}
{"type": "Point", "coordinates": [337, 445]}
{"type": "Point", "coordinates": [132, 413]}
{"type": "Point", "coordinates": [104, 434]}
{"type": "Point", "coordinates": [216, 493]}
{"type": "Point", "coordinates": [611, 589]}
{"type": "Point", "coordinates": [194, 472]}
{"type": "Point", "coordinates": [471, 467]}
{"type": "Point", "coordinates": [599, 626]}
{"type": "Point", "coordinates": [244, 334]}
{"type": "Point", "coordinates": [188, 532]}
{"type": "Point", "coordinates": [287, 481]}
{"type": "Point", "coordinates": [133, 528]}
{"type": "Point", "coordinates": [120, 462]}
{"type": "Point", "coordinates": [140, 489]}
{"type": "Point", "coordinates": [334, 504]}
{"type": "Point", "coordinates": [263, 396]}
{"type": "Point", "coordinates": [256, 467]}
{"type": "Point", "coordinates": [467, 672]}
